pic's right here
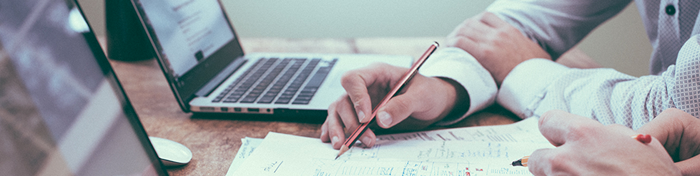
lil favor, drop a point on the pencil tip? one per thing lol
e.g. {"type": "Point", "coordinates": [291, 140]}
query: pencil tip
{"type": "Point", "coordinates": [343, 149]}
{"type": "Point", "coordinates": [517, 163]}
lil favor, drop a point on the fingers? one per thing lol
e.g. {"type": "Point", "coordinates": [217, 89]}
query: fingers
{"type": "Point", "coordinates": [559, 126]}
{"type": "Point", "coordinates": [492, 20]}
{"type": "Point", "coordinates": [554, 161]}
{"type": "Point", "coordinates": [561, 129]}
{"type": "Point", "coordinates": [346, 113]}
{"type": "Point", "coordinates": [539, 161]}
{"type": "Point", "coordinates": [584, 145]}
{"type": "Point", "coordinates": [416, 109]}
{"type": "Point", "coordinates": [677, 131]}
{"type": "Point", "coordinates": [463, 43]}
{"type": "Point", "coordinates": [679, 134]}
{"type": "Point", "coordinates": [358, 82]}
{"type": "Point", "coordinates": [349, 119]}
{"type": "Point", "coordinates": [594, 148]}
{"type": "Point", "coordinates": [355, 85]}
{"type": "Point", "coordinates": [365, 87]}
{"type": "Point", "coordinates": [395, 111]}
{"type": "Point", "coordinates": [324, 132]}
{"type": "Point", "coordinates": [354, 107]}
{"type": "Point", "coordinates": [341, 117]}
{"type": "Point", "coordinates": [690, 166]}
{"type": "Point", "coordinates": [474, 30]}
{"type": "Point", "coordinates": [368, 138]}
{"type": "Point", "coordinates": [333, 130]}
{"type": "Point", "coordinates": [469, 34]}
{"type": "Point", "coordinates": [668, 126]}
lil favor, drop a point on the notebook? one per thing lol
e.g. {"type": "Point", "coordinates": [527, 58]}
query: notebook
{"type": "Point", "coordinates": [203, 61]}
{"type": "Point", "coordinates": [62, 110]}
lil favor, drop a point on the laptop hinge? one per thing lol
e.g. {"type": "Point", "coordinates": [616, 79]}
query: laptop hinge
{"type": "Point", "coordinates": [219, 78]}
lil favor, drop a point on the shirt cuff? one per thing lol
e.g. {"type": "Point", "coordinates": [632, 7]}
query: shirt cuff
{"type": "Point", "coordinates": [463, 68]}
{"type": "Point", "coordinates": [526, 84]}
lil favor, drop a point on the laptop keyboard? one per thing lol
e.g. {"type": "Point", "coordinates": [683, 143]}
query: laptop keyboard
{"type": "Point", "coordinates": [278, 81]}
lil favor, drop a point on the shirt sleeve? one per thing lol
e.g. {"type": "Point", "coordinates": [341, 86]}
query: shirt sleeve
{"type": "Point", "coordinates": [608, 96]}
{"type": "Point", "coordinates": [463, 68]}
{"type": "Point", "coordinates": [556, 25]}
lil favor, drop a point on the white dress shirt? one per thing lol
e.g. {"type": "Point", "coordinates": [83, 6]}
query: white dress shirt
{"type": "Point", "coordinates": [538, 85]}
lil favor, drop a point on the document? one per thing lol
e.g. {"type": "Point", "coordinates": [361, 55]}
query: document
{"type": "Point", "coordinates": [248, 145]}
{"type": "Point", "coordinates": [462, 151]}
{"type": "Point", "coordinates": [523, 131]}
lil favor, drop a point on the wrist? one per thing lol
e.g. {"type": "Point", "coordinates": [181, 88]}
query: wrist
{"type": "Point", "coordinates": [459, 101]}
{"type": "Point", "coordinates": [500, 75]}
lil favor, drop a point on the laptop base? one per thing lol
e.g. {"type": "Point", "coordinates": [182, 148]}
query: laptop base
{"type": "Point", "coordinates": [283, 115]}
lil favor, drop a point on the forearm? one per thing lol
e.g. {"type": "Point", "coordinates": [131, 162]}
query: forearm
{"type": "Point", "coordinates": [606, 95]}
{"type": "Point", "coordinates": [556, 25]}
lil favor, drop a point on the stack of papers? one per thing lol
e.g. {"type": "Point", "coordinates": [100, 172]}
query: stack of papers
{"type": "Point", "coordinates": [470, 151]}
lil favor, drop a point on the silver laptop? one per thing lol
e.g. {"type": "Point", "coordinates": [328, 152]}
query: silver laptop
{"type": "Point", "coordinates": [62, 111]}
{"type": "Point", "coordinates": [208, 71]}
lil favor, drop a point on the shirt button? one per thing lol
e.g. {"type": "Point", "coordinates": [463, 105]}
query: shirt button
{"type": "Point", "coordinates": [670, 10]}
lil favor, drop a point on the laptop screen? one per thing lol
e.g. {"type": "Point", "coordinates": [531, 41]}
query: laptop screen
{"type": "Point", "coordinates": [193, 41]}
{"type": "Point", "coordinates": [188, 31]}
{"type": "Point", "coordinates": [62, 111]}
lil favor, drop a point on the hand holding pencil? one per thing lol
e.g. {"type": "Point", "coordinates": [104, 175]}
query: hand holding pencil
{"type": "Point", "coordinates": [425, 101]}
{"type": "Point", "coordinates": [586, 147]}
{"type": "Point", "coordinates": [401, 84]}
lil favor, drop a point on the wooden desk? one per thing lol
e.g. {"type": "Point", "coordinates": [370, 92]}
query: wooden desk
{"type": "Point", "coordinates": [214, 142]}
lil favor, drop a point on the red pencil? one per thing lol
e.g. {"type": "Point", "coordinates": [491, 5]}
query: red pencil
{"type": "Point", "coordinates": [399, 85]}
{"type": "Point", "coordinates": [643, 138]}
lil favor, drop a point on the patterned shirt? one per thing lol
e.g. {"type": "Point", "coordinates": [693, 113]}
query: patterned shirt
{"type": "Point", "coordinates": [536, 86]}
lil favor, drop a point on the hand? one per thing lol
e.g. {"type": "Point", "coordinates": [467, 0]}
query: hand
{"type": "Point", "coordinates": [586, 147]}
{"type": "Point", "coordinates": [497, 45]}
{"type": "Point", "coordinates": [679, 133]}
{"type": "Point", "coordinates": [426, 101]}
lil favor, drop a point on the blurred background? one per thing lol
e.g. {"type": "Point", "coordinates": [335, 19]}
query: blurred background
{"type": "Point", "coordinates": [620, 43]}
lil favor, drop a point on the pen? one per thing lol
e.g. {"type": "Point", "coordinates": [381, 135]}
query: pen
{"type": "Point", "coordinates": [643, 138]}
{"type": "Point", "coordinates": [395, 90]}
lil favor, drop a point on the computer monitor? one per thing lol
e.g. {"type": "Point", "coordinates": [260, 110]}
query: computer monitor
{"type": "Point", "coordinates": [62, 110]}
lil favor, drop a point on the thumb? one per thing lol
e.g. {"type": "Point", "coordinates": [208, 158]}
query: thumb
{"type": "Point", "coordinates": [395, 111]}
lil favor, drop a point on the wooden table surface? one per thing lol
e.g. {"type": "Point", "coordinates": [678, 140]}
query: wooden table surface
{"type": "Point", "coordinates": [215, 141]}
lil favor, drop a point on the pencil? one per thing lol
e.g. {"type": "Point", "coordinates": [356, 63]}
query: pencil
{"type": "Point", "coordinates": [643, 138]}
{"type": "Point", "coordinates": [521, 162]}
{"type": "Point", "coordinates": [403, 82]}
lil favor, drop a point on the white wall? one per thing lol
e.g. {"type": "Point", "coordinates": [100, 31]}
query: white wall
{"type": "Point", "coordinates": [344, 19]}
{"type": "Point", "coordinates": [620, 43]}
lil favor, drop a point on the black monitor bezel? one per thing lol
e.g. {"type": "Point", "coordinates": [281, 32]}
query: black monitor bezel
{"type": "Point", "coordinates": [186, 86]}
{"type": "Point", "coordinates": [127, 107]}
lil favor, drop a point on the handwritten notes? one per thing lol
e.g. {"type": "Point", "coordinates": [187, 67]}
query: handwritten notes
{"type": "Point", "coordinates": [461, 151]}
{"type": "Point", "coordinates": [247, 147]}
{"type": "Point", "coordinates": [523, 131]}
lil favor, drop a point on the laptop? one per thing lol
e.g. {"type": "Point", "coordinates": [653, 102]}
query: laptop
{"type": "Point", "coordinates": [204, 63]}
{"type": "Point", "coordinates": [62, 110]}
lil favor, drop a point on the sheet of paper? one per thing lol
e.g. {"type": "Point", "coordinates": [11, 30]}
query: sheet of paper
{"type": "Point", "coordinates": [281, 154]}
{"type": "Point", "coordinates": [247, 147]}
{"type": "Point", "coordinates": [523, 131]}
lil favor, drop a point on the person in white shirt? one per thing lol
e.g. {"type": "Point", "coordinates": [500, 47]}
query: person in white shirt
{"type": "Point", "coordinates": [506, 54]}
